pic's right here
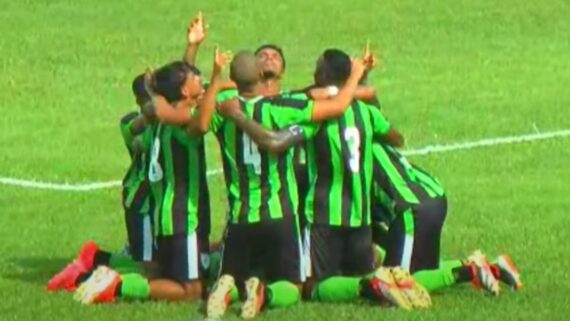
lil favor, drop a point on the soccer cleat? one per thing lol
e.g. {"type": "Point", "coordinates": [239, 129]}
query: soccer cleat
{"type": "Point", "coordinates": [508, 272]}
{"type": "Point", "coordinates": [416, 294]}
{"type": "Point", "coordinates": [66, 279]}
{"type": "Point", "coordinates": [386, 289]}
{"type": "Point", "coordinates": [87, 254]}
{"type": "Point", "coordinates": [100, 287]}
{"type": "Point", "coordinates": [255, 298]}
{"type": "Point", "coordinates": [482, 274]}
{"type": "Point", "coordinates": [219, 298]}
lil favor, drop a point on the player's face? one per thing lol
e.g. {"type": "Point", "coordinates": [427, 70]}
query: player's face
{"type": "Point", "coordinates": [192, 89]}
{"type": "Point", "coordinates": [271, 63]}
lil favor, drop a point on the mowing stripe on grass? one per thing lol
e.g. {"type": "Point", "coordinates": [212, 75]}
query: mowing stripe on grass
{"type": "Point", "coordinates": [426, 150]}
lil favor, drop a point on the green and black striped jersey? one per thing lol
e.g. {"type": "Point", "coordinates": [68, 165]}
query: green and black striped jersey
{"type": "Point", "coordinates": [339, 158]}
{"type": "Point", "coordinates": [398, 184]}
{"type": "Point", "coordinates": [135, 184]}
{"type": "Point", "coordinates": [180, 191]}
{"type": "Point", "coordinates": [261, 186]}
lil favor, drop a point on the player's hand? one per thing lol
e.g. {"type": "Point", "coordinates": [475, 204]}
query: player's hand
{"type": "Point", "coordinates": [358, 68]}
{"type": "Point", "coordinates": [197, 30]}
{"type": "Point", "coordinates": [369, 58]}
{"type": "Point", "coordinates": [229, 108]}
{"type": "Point", "coordinates": [221, 59]}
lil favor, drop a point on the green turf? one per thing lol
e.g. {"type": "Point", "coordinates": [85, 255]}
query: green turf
{"type": "Point", "coordinates": [453, 71]}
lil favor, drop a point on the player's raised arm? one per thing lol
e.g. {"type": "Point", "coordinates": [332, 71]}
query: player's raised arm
{"type": "Point", "coordinates": [325, 109]}
{"type": "Point", "coordinates": [195, 35]}
{"type": "Point", "coordinates": [200, 122]}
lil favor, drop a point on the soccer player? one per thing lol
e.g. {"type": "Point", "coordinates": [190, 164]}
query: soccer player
{"type": "Point", "coordinates": [174, 173]}
{"type": "Point", "coordinates": [137, 207]}
{"type": "Point", "coordinates": [413, 205]}
{"type": "Point", "coordinates": [262, 193]}
{"type": "Point", "coordinates": [137, 203]}
{"type": "Point", "coordinates": [343, 241]}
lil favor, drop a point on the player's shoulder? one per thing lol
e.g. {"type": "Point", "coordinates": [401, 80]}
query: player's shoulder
{"type": "Point", "coordinates": [227, 94]}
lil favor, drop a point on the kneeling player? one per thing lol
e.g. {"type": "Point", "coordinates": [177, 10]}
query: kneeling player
{"type": "Point", "coordinates": [174, 170]}
{"type": "Point", "coordinates": [412, 206]}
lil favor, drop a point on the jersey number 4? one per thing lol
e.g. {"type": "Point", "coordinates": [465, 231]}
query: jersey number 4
{"type": "Point", "coordinates": [251, 154]}
{"type": "Point", "coordinates": [352, 138]}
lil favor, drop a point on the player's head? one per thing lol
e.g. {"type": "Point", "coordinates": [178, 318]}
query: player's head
{"type": "Point", "coordinates": [245, 70]}
{"type": "Point", "coordinates": [141, 96]}
{"type": "Point", "coordinates": [333, 68]}
{"type": "Point", "coordinates": [271, 60]}
{"type": "Point", "coordinates": [179, 81]}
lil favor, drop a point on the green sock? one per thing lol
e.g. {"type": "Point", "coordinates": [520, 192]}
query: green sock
{"type": "Point", "coordinates": [134, 286]}
{"type": "Point", "coordinates": [124, 264]}
{"type": "Point", "coordinates": [337, 289]}
{"type": "Point", "coordinates": [434, 280]}
{"type": "Point", "coordinates": [282, 294]}
{"type": "Point", "coordinates": [443, 277]}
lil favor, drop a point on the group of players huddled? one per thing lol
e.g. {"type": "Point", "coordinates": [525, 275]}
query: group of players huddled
{"type": "Point", "coordinates": [322, 205]}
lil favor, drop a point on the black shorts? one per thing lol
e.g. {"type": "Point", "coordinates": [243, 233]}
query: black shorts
{"type": "Point", "coordinates": [270, 249]}
{"type": "Point", "coordinates": [339, 251]}
{"type": "Point", "coordinates": [414, 236]}
{"type": "Point", "coordinates": [140, 236]}
{"type": "Point", "coordinates": [182, 257]}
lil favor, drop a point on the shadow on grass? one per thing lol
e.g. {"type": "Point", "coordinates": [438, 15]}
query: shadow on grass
{"type": "Point", "coordinates": [36, 270]}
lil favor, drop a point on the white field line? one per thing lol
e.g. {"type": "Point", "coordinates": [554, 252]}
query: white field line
{"type": "Point", "coordinates": [426, 150]}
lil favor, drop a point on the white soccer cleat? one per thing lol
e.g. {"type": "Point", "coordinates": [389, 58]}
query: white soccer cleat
{"type": "Point", "coordinates": [100, 287]}
{"type": "Point", "coordinates": [219, 298]}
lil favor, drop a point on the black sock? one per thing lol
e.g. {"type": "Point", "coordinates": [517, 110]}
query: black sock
{"type": "Point", "coordinates": [366, 290]}
{"type": "Point", "coordinates": [101, 258]}
{"type": "Point", "coordinates": [82, 278]}
{"type": "Point", "coordinates": [463, 274]}
{"type": "Point", "coordinates": [118, 289]}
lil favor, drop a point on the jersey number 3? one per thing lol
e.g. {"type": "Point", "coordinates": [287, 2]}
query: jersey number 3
{"type": "Point", "coordinates": [352, 138]}
{"type": "Point", "coordinates": [251, 154]}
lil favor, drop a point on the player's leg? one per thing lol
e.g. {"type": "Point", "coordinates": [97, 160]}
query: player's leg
{"type": "Point", "coordinates": [280, 247]}
{"type": "Point", "coordinates": [141, 242]}
{"type": "Point", "coordinates": [88, 259]}
{"type": "Point", "coordinates": [383, 285]}
{"type": "Point", "coordinates": [323, 249]}
{"type": "Point", "coordinates": [182, 265]}
{"type": "Point", "coordinates": [106, 285]}
{"type": "Point", "coordinates": [234, 269]}
{"type": "Point", "coordinates": [183, 260]}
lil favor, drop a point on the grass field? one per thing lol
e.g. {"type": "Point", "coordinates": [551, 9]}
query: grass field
{"type": "Point", "coordinates": [453, 71]}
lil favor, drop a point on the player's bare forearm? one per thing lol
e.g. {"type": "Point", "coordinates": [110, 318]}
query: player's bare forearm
{"type": "Point", "coordinates": [325, 109]}
{"type": "Point", "coordinates": [165, 113]}
{"type": "Point", "coordinates": [191, 53]}
{"type": "Point", "coordinates": [200, 123]}
{"type": "Point", "coordinates": [365, 93]}
{"type": "Point", "coordinates": [275, 142]}
{"type": "Point", "coordinates": [394, 138]}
